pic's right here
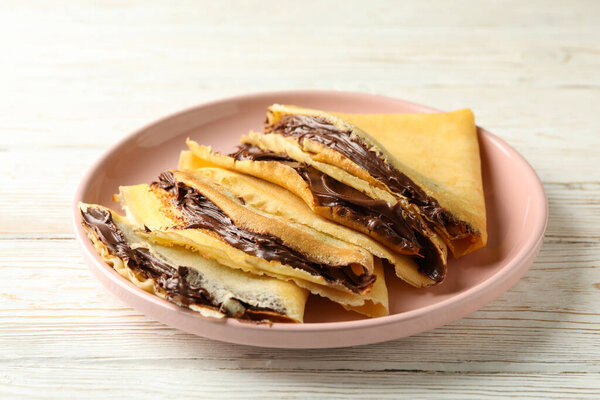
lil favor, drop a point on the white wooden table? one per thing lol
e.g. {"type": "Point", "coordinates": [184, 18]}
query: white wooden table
{"type": "Point", "coordinates": [75, 77]}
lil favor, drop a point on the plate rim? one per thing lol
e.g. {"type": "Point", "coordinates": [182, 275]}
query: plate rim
{"type": "Point", "coordinates": [528, 250]}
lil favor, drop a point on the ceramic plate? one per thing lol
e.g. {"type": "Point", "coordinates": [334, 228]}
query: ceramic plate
{"type": "Point", "coordinates": [516, 214]}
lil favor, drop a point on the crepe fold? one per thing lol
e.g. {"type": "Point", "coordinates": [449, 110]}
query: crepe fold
{"type": "Point", "coordinates": [440, 153]}
{"type": "Point", "coordinates": [413, 182]}
{"type": "Point", "coordinates": [416, 252]}
{"type": "Point", "coordinates": [194, 210]}
{"type": "Point", "coordinates": [279, 201]}
{"type": "Point", "coordinates": [188, 279]}
{"type": "Point", "coordinates": [459, 219]}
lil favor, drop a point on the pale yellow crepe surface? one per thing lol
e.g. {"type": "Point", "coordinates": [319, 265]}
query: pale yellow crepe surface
{"type": "Point", "coordinates": [441, 146]}
{"type": "Point", "coordinates": [281, 202]}
{"type": "Point", "coordinates": [147, 209]}
{"type": "Point", "coordinates": [221, 282]}
{"type": "Point", "coordinates": [453, 135]}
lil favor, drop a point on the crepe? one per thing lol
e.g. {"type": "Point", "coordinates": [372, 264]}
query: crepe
{"type": "Point", "coordinates": [348, 154]}
{"type": "Point", "coordinates": [277, 201]}
{"type": "Point", "coordinates": [355, 210]}
{"type": "Point", "coordinates": [189, 209]}
{"type": "Point", "coordinates": [188, 279]}
{"type": "Point", "coordinates": [428, 200]}
{"type": "Point", "coordinates": [440, 152]}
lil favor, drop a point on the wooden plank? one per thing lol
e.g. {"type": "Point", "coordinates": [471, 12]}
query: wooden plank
{"type": "Point", "coordinates": [56, 309]}
{"type": "Point", "coordinates": [531, 129]}
{"type": "Point", "coordinates": [574, 207]}
{"type": "Point", "coordinates": [185, 379]}
{"type": "Point", "coordinates": [76, 77]}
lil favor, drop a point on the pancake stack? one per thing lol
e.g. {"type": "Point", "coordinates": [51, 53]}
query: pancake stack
{"type": "Point", "coordinates": [316, 203]}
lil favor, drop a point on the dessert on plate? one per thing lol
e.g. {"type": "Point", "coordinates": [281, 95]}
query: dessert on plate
{"type": "Point", "coordinates": [317, 202]}
{"type": "Point", "coordinates": [414, 208]}
{"type": "Point", "coordinates": [180, 276]}
{"type": "Point", "coordinates": [187, 208]}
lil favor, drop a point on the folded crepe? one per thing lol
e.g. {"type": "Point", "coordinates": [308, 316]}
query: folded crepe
{"type": "Point", "coordinates": [188, 279]}
{"type": "Point", "coordinates": [417, 253]}
{"type": "Point", "coordinates": [431, 198]}
{"type": "Point", "coordinates": [350, 154]}
{"type": "Point", "coordinates": [439, 152]}
{"type": "Point", "coordinates": [280, 202]}
{"type": "Point", "coordinates": [190, 209]}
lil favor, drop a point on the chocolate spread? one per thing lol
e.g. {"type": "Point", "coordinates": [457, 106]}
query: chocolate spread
{"type": "Point", "coordinates": [322, 131]}
{"type": "Point", "coordinates": [176, 282]}
{"type": "Point", "coordinates": [248, 151]}
{"type": "Point", "coordinates": [402, 229]}
{"type": "Point", "coordinates": [201, 213]}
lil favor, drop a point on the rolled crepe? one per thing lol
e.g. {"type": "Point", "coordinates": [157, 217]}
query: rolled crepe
{"type": "Point", "coordinates": [188, 279]}
{"type": "Point", "coordinates": [186, 208]}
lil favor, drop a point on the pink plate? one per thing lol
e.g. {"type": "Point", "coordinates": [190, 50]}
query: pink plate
{"type": "Point", "coordinates": [516, 212]}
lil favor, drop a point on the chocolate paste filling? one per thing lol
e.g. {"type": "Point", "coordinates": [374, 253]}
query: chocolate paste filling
{"type": "Point", "coordinates": [176, 282]}
{"type": "Point", "coordinates": [377, 215]}
{"type": "Point", "coordinates": [402, 229]}
{"type": "Point", "coordinates": [320, 130]}
{"type": "Point", "coordinates": [247, 151]}
{"type": "Point", "coordinates": [201, 213]}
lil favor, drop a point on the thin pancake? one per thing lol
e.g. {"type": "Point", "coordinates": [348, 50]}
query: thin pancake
{"type": "Point", "coordinates": [187, 279]}
{"type": "Point", "coordinates": [286, 176]}
{"type": "Point", "coordinates": [331, 140]}
{"type": "Point", "coordinates": [153, 208]}
{"type": "Point", "coordinates": [441, 151]}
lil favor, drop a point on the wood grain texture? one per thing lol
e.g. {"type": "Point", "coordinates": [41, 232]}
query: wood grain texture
{"type": "Point", "coordinates": [75, 77]}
